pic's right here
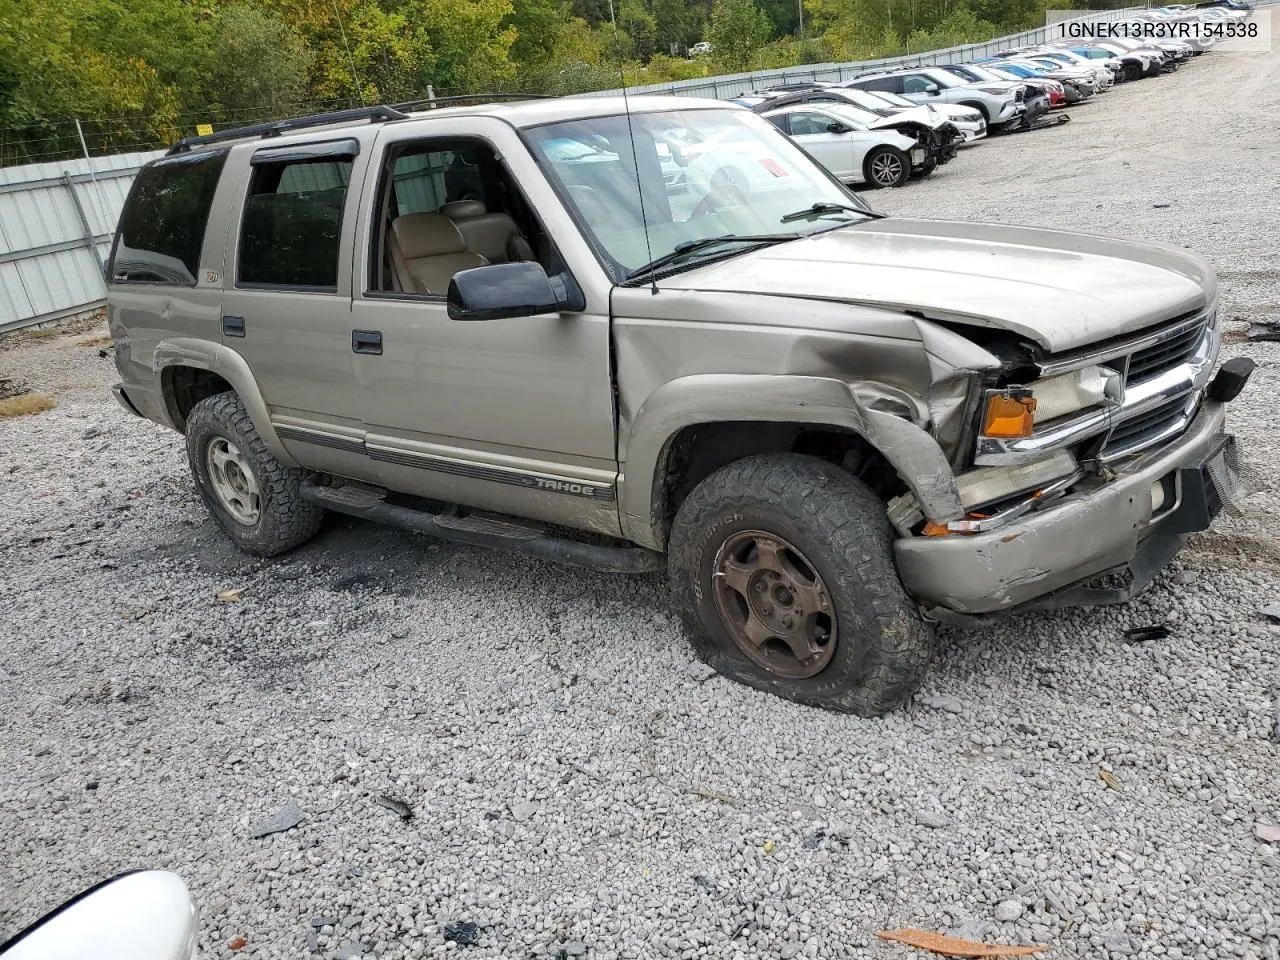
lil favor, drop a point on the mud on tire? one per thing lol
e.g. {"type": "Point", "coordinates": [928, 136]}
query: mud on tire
{"type": "Point", "coordinates": [283, 520]}
{"type": "Point", "coordinates": [835, 528]}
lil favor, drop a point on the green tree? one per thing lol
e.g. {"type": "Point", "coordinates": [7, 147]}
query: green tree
{"type": "Point", "coordinates": [537, 24]}
{"type": "Point", "coordinates": [738, 29]}
{"type": "Point", "coordinates": [262, 69]}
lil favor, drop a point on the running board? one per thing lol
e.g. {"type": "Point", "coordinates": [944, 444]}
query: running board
{"type": "Point", "coordinates": [369, 503]}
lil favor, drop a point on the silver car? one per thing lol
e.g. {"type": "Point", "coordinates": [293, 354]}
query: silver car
{"type": "Point", "coordinates": [1001, 103]}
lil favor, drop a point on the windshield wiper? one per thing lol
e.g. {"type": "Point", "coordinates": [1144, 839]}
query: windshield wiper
{"type": "Point", "coordinates": [820, 208]}
{"type": "Point", "coordinates": [687, 247]}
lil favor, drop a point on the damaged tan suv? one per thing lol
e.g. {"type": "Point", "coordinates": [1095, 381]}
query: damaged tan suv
{"type": "Point", "coordinates": [669, 339]}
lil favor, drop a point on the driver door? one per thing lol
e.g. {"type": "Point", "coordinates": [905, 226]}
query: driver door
{"type": "Point", "coordinates": [833, 150]}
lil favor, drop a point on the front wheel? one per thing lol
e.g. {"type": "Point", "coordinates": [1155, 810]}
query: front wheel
{"type": "Point", "coordinates": [886, 167]}
{"type": "Point", "coordinates": [782, 569]}
{"type": "Point", "coordinates": [255, 499]}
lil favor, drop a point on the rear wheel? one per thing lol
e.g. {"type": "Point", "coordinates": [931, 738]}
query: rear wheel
{"type": "Point", "coordinates": [255, 499]}
{"type": "Point", "coordinates": [1132, 71]}
{"type": "Point", "coordinates": [781, 566]}
{"type": "Point", "coordinates": [886, 167]}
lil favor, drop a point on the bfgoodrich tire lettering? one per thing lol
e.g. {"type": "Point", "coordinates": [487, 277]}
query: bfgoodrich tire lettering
{"type": "Point", "coordinates": [883, 648]}
{"type": "Point", "coordinates": [282, 519]}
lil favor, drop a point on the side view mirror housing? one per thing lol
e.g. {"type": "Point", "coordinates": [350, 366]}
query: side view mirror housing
{"type": "Point", "coordinates": [835, 126]}
{"type": "Point", "coordinates": [932, 90]}
{"type": "Point", "coordinates": [143, 915]}
{"type": "Point", "coordinates": [518, 289]}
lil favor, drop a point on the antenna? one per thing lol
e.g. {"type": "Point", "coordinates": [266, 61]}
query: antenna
{"type": "Point", "coordinates": [635, 154]}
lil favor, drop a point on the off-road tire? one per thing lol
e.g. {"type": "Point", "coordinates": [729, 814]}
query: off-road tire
{"type": "Point", "coordinates": [883, 647]}
{"type": "Point", "coordinates": [285, 519]}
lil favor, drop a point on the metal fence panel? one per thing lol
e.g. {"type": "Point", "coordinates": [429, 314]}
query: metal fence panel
{"type": "Point", "coordinates": [56, 223]}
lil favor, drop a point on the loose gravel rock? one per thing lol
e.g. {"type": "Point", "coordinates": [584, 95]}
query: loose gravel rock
{"type": "Point", "coordinates": [640, 812]}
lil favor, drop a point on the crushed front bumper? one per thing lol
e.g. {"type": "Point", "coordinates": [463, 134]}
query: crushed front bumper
{"type": "Point", "coordinates": [1074, 540]}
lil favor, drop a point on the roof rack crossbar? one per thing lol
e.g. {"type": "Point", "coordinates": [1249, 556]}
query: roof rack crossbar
{"type": "Point", "coordinates": [478, 98]}
{"type": "Point", "coordinates": [276, 127]}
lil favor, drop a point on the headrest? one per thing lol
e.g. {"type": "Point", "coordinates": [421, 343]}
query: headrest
{"type": "Point", "coordinates": [464, 209]}
{"type": "Point", "coordinates": [427, 235]}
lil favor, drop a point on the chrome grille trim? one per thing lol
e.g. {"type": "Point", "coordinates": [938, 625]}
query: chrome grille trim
{"type": "Point", "coordinates": [1173, 391]}
{"type": "Point", "coordinates": [1124, 346]}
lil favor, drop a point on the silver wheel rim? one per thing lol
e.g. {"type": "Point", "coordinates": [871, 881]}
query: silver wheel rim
{"type": "Point", "coordinates": [233, 482]}
{"type": "Point", "coordinates": [886, 169]}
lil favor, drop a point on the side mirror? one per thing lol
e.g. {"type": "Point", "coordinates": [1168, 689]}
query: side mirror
{"type": "Point", "coordinates": [519, 289]}
{"type": "Point", "coordinates": [144, 915]}
{"type": "Point", "coordinates": [835, 126]}
{"type": "Point", "coordinates": [932, 90]}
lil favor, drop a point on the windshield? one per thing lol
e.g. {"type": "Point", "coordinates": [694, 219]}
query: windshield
{"type": "Point", "coordinates": [873, 102]}
{"type": "Point", "coordinates": [893, 98]}
{"type": "Point", "coordinates": [705, 173]}
{"type": "Point", "coordinates": [982, 73]}
{"type": "Point", "coordinates": [855, 116]}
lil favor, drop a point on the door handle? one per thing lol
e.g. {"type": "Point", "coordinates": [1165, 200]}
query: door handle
{"type": "Point", "coordinates": [233, 326]}
{"type": "Point", "coordinates": [366, 341]}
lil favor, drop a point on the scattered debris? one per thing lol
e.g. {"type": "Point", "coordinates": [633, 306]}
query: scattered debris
{"type": "Point", "coordinates": [699, 672]}
{"type": "Point", "coordinates": [12, 387]}
{"type": "Point", "coordinates": [520, 812]}
{"type": "Point", "coordinates": [1272, 612]}
{"type": "Point", "coordinates": [706, 883]}
{"type": "Point", "coordinates": [1263, 330]}
{"type": "Point", "coordinates": [769, 847]}
{"type": "Point", "coordinates": [1109, 778]}
{"type": "Point", "coordinates": [26, 404]}
{"type": "Point", "coordinates": [1008, 911]}
{"type": "Point", "coordinates": [1267, 832]}
{"type": "Point", "coordinates": [91, 785]}
{"type": "Point", "coordinates": [232, 594]}
{"type": "Point", "coordinates": [944, 703]}
{"type": "Point", "coordinates": [104, 690]}
{"type": "Point", "coordinates": [90, 433]}
{"type": "Point", "coordinates": [574, 948]}
{"type": "Point", "coordinates": [350, 950]}
{"type": "Point", "coordinates": [239, 943]}
{"type": "Point", "coordinates": [933, 819]}
{"type": "Point", "coordinates": [1162, 206]}
{"type": "Point", "coordinates": [286, 818]}
{"type": "Point", "coordinates": [398, 807]}
{"type": "Point", "coordinates": [940, 943]}
{"type": "Point", "coordinates": [463, 932]}
{"type": "Point", "coordinates": [1156, 631]}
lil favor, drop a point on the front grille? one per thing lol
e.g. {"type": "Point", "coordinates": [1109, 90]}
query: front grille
{"type": "Point", "coordinates": [1137, 429]}
{"type": "Point", "coordinates": [1155, 360]}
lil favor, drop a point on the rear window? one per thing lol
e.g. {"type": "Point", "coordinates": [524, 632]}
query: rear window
{"type": "Point", "coordinates": [162, 226]}
{"type": "Point", "coordinates": [292, 224]}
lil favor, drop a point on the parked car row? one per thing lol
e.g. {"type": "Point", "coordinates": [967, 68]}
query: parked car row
{"type": "Point", "coordinates": [881, 128]}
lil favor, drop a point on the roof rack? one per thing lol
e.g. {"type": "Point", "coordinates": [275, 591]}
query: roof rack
{"type": "Point", "coordinates": [277, 127]}
{"type": "Point", "coordinates": [432, 102]}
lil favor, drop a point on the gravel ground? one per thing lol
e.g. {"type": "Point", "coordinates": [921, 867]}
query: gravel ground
{"type": "Point", "coordinates": [578, 786]}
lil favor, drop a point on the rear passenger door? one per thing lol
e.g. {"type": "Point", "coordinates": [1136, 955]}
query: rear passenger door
{"type": "Point", "coordinates": [287, 305]}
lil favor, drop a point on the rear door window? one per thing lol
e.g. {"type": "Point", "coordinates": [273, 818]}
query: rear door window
{"type": "Point", "coordinates": [292, 224]}
{"type": "Point", "coordinates": [891, 84]}
{"type": "Point", "coordinates": [162, 227]}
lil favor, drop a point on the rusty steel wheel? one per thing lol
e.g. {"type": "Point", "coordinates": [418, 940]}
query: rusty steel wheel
{"type": "Point", "coordinates": [774, 605]}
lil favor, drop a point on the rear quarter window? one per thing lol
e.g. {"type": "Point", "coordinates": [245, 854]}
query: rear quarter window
{"type": "Point", "coordinates": [163, 223]}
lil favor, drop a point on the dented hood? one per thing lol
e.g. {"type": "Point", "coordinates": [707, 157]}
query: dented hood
{"type": "Point", "coordinates": [1062, 290]}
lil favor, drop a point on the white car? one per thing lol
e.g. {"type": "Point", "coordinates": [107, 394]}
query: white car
{"type": "Point", "coordinates": [1103, 75]}
{"type": "Point", "coordinates": [838, 139]}
{"type": "Point", "coordinates": [967, 120]}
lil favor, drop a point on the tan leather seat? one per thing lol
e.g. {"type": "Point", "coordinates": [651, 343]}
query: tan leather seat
{"type": "Point", "coordinates": [426, 251]}
{"type": "Point", "coordinates": [494, 236]}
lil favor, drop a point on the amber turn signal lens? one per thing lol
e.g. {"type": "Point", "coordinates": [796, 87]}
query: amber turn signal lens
{"type": "Point", "coordinates": [1009, 416]}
